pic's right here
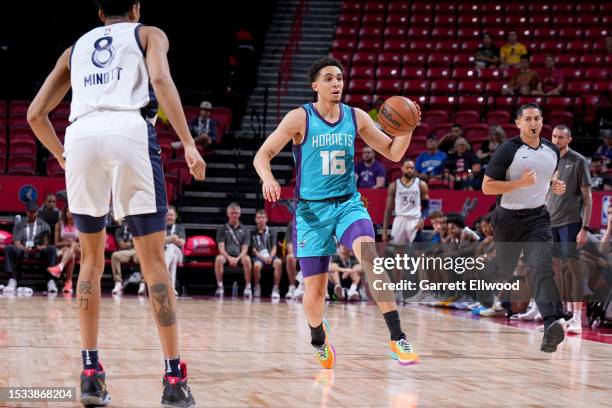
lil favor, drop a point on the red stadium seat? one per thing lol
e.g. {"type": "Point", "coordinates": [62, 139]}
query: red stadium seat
{"type": "Point", "coordinates": [60, 123]}
{"type": "Point", "coordinates": [498, 117]}
{"type": "Point", "coordinates": [414, 60]}
{"type": "Point", "coordinates": [438, 73]}
{"type": "Point", "coordinates": [18, 108]}
{"type": "Point", "coordinates": [439, 60]}
{"type": "Point", "coordinates": [586, 8]}
{"type": "Point", "coordinates": [53, 168]}
{"type": "Point", "coordinates": [418, 20]}
{"type": "Point", "coordinates": [490, 74]}
{"type": "Point", "coordinates": [539, 8]}
{"type": "Point", "coordinates": [361, 86]}
{"type": "Point", "coordinates": [416, 87]}
{"type": "Point", "coordinates": [563, 8]}
{"type": "Point", "coordinates": [397, 46]}
{"type": "Point", "coordinates": [21, 166]}
{"type": "Point", "coordinates": [521, 100]}
{"type": "Point", "coordinates": [397, 20]}
{"type": "Point", "coordinates": [470, 87]}
{"type": "Point", "coordinates": [472, 102]}
{"type": "Point", "coordinates": [552, 47]}
{"type": "Point", "coordinates": [560, 118]}
{"type": "Point", "coordinates": [422, 46]}
{"type": "Point", "coordinates": [387, 73]}
{"type": "Point", "coordinates": [421, 131]}
{"type": "Point", "coordinates": [398, 7]}
{"type": "Point", "coordinates": [165, 137]}
{"type": "Point", "coordinates": [488, 8]}
{"type": "Point", "coordinates": [605, 9]}
{"type": "Point", "coordinates": [595, 34]}
{"type": "Point", "coordinates": [374, 7]}
{"type": "Point", "coordinates": [418, 34]}
{"type": "Point", "coordinates": [201, 245]}
{"type": "Point", "coordinates": [516, 9]}
{"type": "Point", "coordinates": [362, 73]}
{"type": "Point", "coordinates": [421, 8]}
{"type": "Point", "coordinates": [3, 109]}
{"type": "Point", "coordinates": [446, 8]}
{"type": "Point", "coordinates": [373, 20]}
{"type": "Point", "coordinates": [470, 46]}
{"type": "Point", "coordinates": [352, 7]}
{"type": "Point", "coordinates": [545, 34]}
{"type": "Point", "coordinates": [578, 88]}
{"type": "Point", "coordinates": [579, 47]}
{"type": "Point", "coordinates": [448, 46]}
{"type": "Point", "coordinates": [559, 103]}
{"type": "Point", "coordinates": [389, 87]}
{"type": "Point", "coordinates": [571, 34]}
{"type": "Point", "coordinates": [494, 87]}
{"type": "Point", "coordinates": [587, 21]}
{"type": "Point", "coordinates": [441, 129]}
{"type": "Point", "coordinates": [394, 33]}
{"type": "Point", "coordinates": [599, 48]}
{"type": "Point", "coordinates": [510, 129]}
{"type": "Point", "coordinates": [566, 61]}
{"type": "Point", "coordinates": [17, 135]}
{"type": "Point", "coordinates": [443, 34]}
{"type": "Point", "coordinates": [463, 61]}
{"type": "Point", "coordinates": [537, 61]}
{"type": "Point", "coordinates": [433, 117]}
{"type": "Point", "coordinates": [506, 103]}
{"type": "Point", "coordinates": [461, 74]}
{"type": "Point", "coordinates": [369, 45]}
{"type": "Point", "coordinates": [597, 74]}
{"type": "Point", "coordinates": [349, 33]}
{"type": "Point", "coordinates": [412, 73]}
{"type": "Point", "coordinates": [563, 21]}
{"type": "Point", "coordinates": [23, 148]}
{"type": "Point", "coordinates": [389, 59]}
{"type": "Point", "coordinates": [443, 87]}
{"type": "Point", "coordinates": [360, 101]}
{"type": "Point", "coordinates": [364, 59]}
{"type": "Point", "coordinates": [587, 61]}
{"type": "Point", "coordinates": [61, 110]}
{"type": "Point", "coordinates": [344, 57]}
{"type": "Point", "coordinates": [602, 86]}
{"type": "Point", "coordinates": [538, 21]}
{"type": "Point", "coordinates": [446, 103]}
{"type": "Point", "coordinates": [349, 20]}
{"type": "Point", "coordinates": [467, 117]}
{"type": "Point", "coordinates": [469, 34]}
{"type": "Point", "coordinates": [491, 22]}
{"type": "Point", "coordinates": [476, 133]}
{"type": "Point", "coordinates": [18, 122]}
{"type": "Point", "coordinates": [547, 131]}
{"type": "Point", "coordinates": [372, 33]}
{"type": "Point", "coordinates": [445, 21]}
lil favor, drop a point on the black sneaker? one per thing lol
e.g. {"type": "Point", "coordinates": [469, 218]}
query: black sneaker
{"type": "Point", "coordinates": [553, 336]}
{"type": "Point", "coordinates": [176, 391]}
{"type": "Point", "coordinates": [93, 388]}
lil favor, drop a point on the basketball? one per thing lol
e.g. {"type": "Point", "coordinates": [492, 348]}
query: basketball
{"type": "Point", "coordinates": [398, 115]}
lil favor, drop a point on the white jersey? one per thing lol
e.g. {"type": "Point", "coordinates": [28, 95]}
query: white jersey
{"type": "Point", "coordinates": [108, 72]}
{"type": "Point", "coordinates": [408, 199]}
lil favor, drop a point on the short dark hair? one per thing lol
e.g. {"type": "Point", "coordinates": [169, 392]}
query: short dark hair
{"type": "Point", "coordinates": [436, 214]}
{"type": "Point", "coordinates": [564, 128]}
{"type": "Point", "coordinates": [456, 218]}
{"type": "Point", "coordinates": [597, 158]}
{"type": "Point", "coordinates": [116, 7]}
{"type": "Point", "coordinates": [261, 211]}
{"type": "Point", "coordinates": [319, 64]}
{"type": "Point", "coordinates": [529, 105]}
{"type": "Point", "coordinates": [525, 57]}
{"type": "Point", "coordinates": [456, 125]}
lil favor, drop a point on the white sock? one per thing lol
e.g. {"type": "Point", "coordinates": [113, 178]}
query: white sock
{"type": "Point", "coordinates": [353, 287]}
{"type": "Point", "coordinates": [61, 266]}
{"type": "Point", "coordinates": [248, 286]}
{"type": "Point", "coordinates": [577, 315]}
{"type": "Point", "coordinates": [219, 284]}
{"type": "Point", "coordinates": [275, 287]}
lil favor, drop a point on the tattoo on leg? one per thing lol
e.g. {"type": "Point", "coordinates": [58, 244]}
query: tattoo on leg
{"type": "Point", "coordinates": [162, 305]}
{"type": "Point", "coordinates": [83, 303]}
{"type": "Point", "coordinates": [85, 288]}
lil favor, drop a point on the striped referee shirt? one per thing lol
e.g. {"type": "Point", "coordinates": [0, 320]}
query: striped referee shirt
{"type": "Point", "coordinates": [510, 161]}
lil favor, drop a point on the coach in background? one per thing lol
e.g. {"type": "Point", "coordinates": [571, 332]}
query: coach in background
{"type": "Point", "coordinates": [570, 214]}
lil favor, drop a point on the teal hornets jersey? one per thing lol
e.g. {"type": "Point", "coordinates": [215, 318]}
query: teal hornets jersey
{"type": "Point", "coordinates": [325, 159]}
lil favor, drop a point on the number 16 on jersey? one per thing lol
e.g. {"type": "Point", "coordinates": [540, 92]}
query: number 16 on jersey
{"type": "Point", "coordinates": [333, 162]}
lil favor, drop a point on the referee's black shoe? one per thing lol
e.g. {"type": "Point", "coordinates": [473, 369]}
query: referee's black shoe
{"type": "Point", "coordinates": [553, 336]}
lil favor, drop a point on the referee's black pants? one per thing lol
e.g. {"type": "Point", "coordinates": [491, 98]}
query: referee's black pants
{"type": "Point", "coordinates": [528, 231]}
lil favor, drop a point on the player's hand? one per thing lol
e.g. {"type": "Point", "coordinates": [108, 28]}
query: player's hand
{"type": "Point", "coordinates": [385, 237]}
{"type": "Point", "coordinates": [581, 238]}
{"type": "Point", "coordinates": [271, 190]}
{"type": "Point", "coordinates": [421, 224]}
{"type": "Point", "coordinates": [528, 178]}
{"type": "Point", "coordinates": [195, 162]}
{"type": "Point", "coordinates": [558, 186]}
{"type": "Point", "coordinates": [61, 161]}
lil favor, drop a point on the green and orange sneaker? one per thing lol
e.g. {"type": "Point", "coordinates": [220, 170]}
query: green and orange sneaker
{"type": "Point", "coordinates": [402, 351]}
{"type": "Point", "coordinates": [326, 353]}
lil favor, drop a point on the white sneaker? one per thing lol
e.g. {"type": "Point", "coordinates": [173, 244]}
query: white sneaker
{"type": "Point", "coordinates": [175, 292]}
{"type": "Point", "coordinates": [11, 286]}
{"type": "Point", "coordinates": [51, 286]}
{"type": "Point", "coordinates": [574, 326]}
{"type": "Point", "coordinates": [530, 314]}
{"type": "Point", "coordinates": [493, 311]}
{"type": "Point", "coordinates": [299, 292]}
{"type": "Point", "coordinates": [290, 292]}
{"type": "Point", "coordinates": [257, 291]}
{"type": "Point", "coordinates": [326, 295]}
{"type": "Point", "coordinates": [219, 291]}
{"type": "Point", "coordinates": [362, 293]}
{"type": "Point", "coordinates": [352, 295]}
{"type": "Point", "coordinates": [248, 292]}
{"type": "Point", "coordinates": [538, 317]}
{"type": "Point", "coordinates": [275, 295]}
{"type": "Point", "coordinates": [142, 289]}
{"type": "Point", "coordinates": [339, 292]}
{"type": "Point", "coordinates": [118, 289]}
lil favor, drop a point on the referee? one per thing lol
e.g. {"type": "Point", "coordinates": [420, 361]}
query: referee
{"type": "Point", "coordinates": [520, 173]}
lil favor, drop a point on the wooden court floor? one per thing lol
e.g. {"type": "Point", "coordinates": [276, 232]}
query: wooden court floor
{"type": "Point", "coordinates": [257, 354]}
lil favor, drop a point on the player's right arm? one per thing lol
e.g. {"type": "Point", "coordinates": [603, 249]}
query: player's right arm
{"type": "Point", "coordinates": [494, 181]}
{"type": "Point", "coordinates": [155, 43]}
{"type": "Point", "coordinates": [292, 126]}
{"type": "Point", "coordinates": [388, 210]}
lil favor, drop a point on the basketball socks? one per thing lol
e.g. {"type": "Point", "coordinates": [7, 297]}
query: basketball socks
{"type": "Point", "coordinates": [393, 323]}
{"type": "Point", "coordinates": [318, 335]}
{"type": "Point", "coordinates": [577, 315]}
{"type": "Point", "coordinates": [353, 287]}
{"type": "Point", "coordinates": [90, 360]}
{"type": "Point", "coordinates": [173, 367]}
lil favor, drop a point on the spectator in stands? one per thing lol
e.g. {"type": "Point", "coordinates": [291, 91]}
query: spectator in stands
{"type": "Point", "coordinates": [598, 173]}
{"type": "Point", "coordinates": [474, 178]}
{"type": "Point", "coordinates": [369, 172]}
{"type": "Point", "coordinates": [439, 225]}
{"type": "Point", "coordinates": [487, 54]}
{"type": "Point", "coordinates": [460, 162]}
{"type": "Point", "coordinates": [429, 164]}
{"type": "Point", "coordinates": [497, 136]}
{"type": "Point", "coordinates": [30, 241]}
{"type": "Point", "coordinates": [233, 241]}
{"type": "Point", "coordinates": [69, 249]}
{"type": "Point", "coordinates": [263, 244]}
{"type": "Point", "coordinates": [511, 53]}
{"type": "Point", "coordinates": [605, 149]}
{"type": "Point", "coordinates": [345, 274]}
{"type": "Point", "coordinates": [126, 253]}
{"type": "Point", "coordinates": [446, 143]}
{"type": "Point", "coordinates": [524, 81]}
{"type": "Point", "coordinates": [552, 79]}
{"type": "Point", "coordinates": [175, 242]}
{"type": "Point", "coordinates": [291, 265]}
{"type": "Point", "coordinates": [49, 213]}
{"type": "Point", "coordinates": [204, 128]}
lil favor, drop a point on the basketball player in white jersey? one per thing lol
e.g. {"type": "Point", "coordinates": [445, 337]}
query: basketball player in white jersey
{"type": "Point", "coordinates": [409, 196]}
{"type": "Point", "coordinates": [116, 72]}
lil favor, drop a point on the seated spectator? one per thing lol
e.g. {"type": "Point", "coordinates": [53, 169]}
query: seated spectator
{"type": "Point", "coordinates": [263, 244]}
{"type": "Point", "coordinates": [551, 81]}
{"type": "Point", "coordinates": [497, 136]}
{"type": "Point", "coordinates": [522, 82]}
{"type": "Point", "coordinates": [446, 143]}
{"type": "Point", "coordinates": [487, 55]}
{"type": "Point", "coordinates": [291, 265]}
{"type": "Point", "coordinates": [233, 241]}
{"type": "Point", "coordinates": [68, 248]}
{"type": "Point", "coordinates": [511, 53]}
{"type": "Point", "coordinates": [604, 151]}
{"type": "Point", "coordinates": [203, 128]}
{"type": "Point", "coordinates": [474, 178]}
{"type": "Point", "coordinates": [126, 253]}
{"type": "Point", "coordinates": [438, 222]}
{"type": "Point", "coordinates": [458, 232]}
{"type": "Point", "coordinates": [429, 164]}
{"type": "Point", "coordinates": [460, 162]}
{"type": "Point", "coordinates": [369, 172]}
{"type": "Point", "coordinates": [599, 177]}
{"type": "Point", "coordinates": [345, 274]}
{"type": "Point", "coordinates": [175, 242]}
{"type": "Point", "coordinates": [30, 241]}
{"type": "Point", "coordinates": [49, 213]}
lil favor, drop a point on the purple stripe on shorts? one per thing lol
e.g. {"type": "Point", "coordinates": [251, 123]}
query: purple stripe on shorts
{"type": "Point", "coordinates": [314, 265]}
{"type": "Point", "coordinates": [359, 228]}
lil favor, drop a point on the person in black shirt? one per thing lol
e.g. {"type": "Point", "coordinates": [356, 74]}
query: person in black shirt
{"type": "Point", "coordinates": [520, 173]}
{"type": "Point", "coordinates": [233, 241]}
{"type": "Point", "coordinates": [345, 272]}
{"type": "Point", "coordinates": [459, 164]}
{"type": "Point", "coordinates": [50, 214]}
{"type": "Point", "coordinates": [487, 55]}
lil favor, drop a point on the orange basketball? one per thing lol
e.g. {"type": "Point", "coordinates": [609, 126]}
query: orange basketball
{"type": "Point", "coordinates": [398, 115]}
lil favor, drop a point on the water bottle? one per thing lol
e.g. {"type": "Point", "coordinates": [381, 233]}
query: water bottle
{"type": "Point", "coordinates": [235, 289]}
{"type": "Point", "coordinates": [17, 219]}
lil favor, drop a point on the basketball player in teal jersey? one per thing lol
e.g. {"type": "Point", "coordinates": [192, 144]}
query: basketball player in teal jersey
{"type": "Point", "coordinates": [323, 135]}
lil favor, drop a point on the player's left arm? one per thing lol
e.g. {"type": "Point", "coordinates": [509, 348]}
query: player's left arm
{"type": "Point", "coordinates": [52, 92]}
{"type": "Point", "coordinates": [392, 148]}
